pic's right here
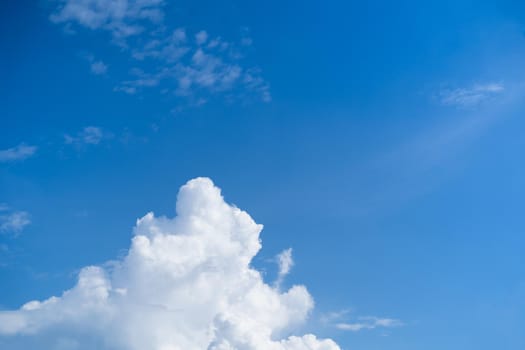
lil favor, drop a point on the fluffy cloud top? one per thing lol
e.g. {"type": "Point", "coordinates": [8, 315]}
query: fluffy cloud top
{"type": "Point", "coordinates": [186, 283]}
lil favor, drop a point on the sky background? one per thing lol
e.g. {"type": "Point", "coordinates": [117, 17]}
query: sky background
{"type": "Point", "coordinates": [382, 141]}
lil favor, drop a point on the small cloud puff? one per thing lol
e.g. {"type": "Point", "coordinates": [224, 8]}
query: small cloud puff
{"type": "Point", "coordinates": [99, 68]}
{"type": "Point", "coordinates": [185, 284]}
{"type": "Point", "coordinates": [285, 262]}
{"type": "Point", "coordinates": [201, 37]}
{"type": "Point", "coordinates": [90, 135]}
{"type": "Point", "coordinates": [13, 221]}
{"type": "Point", "coordinates": [20, 152]}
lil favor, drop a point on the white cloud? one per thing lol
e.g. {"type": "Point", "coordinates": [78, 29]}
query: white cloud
{"type": "Point", "coordinates": [130, 90]}
{"type": "Point", "coordinates": [138, 27]}
{"type": "Point", "coordinates": [20, 152]}
{"type": "Point", "coordinates": [369, 322]}
{"type": "Point", "coordinates": [123, 18]}
{"type": "Point", "coordinates": [169, 48]}
{"type": "Point", "coordinates": [179, 35]}
{"type": "Point", "coordinates": [201, 37]}
{"type": "Point", "coordinates": [333, 316]}
{"type": "Point", "coordinates": [13, 221]}
{"type": "Point", "coordinates": [99, 68]}
{"type": "Point", "coordinates": [285, 262]}
{"type": "Point", "coordinates": [253, 80]}
{"type": "Point", "coordinates": [90, 135]}
{"type": "Point", "coordinates": [205, 71]}
{"type": "Point", "coordinates": [337, 319]}
{"type": "Point", "coordinates": [470, 97]}
{"type": "Point", "coordinates": [194, 71]}
{"type": "Point", "coordinates": [246, 40]}
{"type": "Point", "coordinates": [185, 284]}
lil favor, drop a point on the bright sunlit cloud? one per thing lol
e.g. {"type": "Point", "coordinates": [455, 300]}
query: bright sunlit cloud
{"type": "Point", "coordinates": [186, 283]}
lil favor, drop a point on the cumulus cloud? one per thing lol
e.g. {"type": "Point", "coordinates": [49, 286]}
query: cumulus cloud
{"type": "Point", "coordinates": [472, 96]}
{"type": "Point", "coordinates": [186, 283]}
{"type": "Point", "coordinates": [20, 152]}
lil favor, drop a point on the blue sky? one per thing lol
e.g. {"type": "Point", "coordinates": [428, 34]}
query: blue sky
{"type": "Point", "coordinates": [382, 142]}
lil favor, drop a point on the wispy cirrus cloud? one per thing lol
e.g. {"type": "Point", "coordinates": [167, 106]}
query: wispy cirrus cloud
{"type": "Point", "coordinates": [90, 135]}
{"type": "Point", "coordinates": [80, 140]}
{"type": "Point", "coordinates": [343, 320]}
{"type": "Point", "coordinates": [369, 322]}
{"type": "Point", "coordinates": [122, 18]}
{"type": "Point", "coordinates": [470, 96]}
{"type": "Point", "coordinates": [194, 68]}
{"type": "Point", "coordinates": [190, 66]}
{"type": "Point", "coordinates": [17, 153]}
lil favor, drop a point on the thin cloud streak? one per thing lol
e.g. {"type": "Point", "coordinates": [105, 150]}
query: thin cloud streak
{"type": "Point", "coordinates": [370, 322]}
{"type": "Point", "coordinates": [421, 163]}
{"type": "Point", "coordinates": [17, 153]}
{"type": "Point", "coordinates": [470, 96]}
{"type": "Point", "coordinates": [337, 319]}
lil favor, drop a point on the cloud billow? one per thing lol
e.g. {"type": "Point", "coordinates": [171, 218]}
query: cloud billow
{"type": "Point", "coordinates": [186, 283]}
